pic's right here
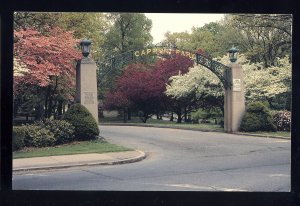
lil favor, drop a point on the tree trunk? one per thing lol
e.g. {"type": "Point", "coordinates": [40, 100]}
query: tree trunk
{"type": "Point", "coordinates": [54, 102]}
{"type": "Point", "coordinates": [60, 108]}
{"type": "Point", "coordinates": [172, 117]}
{"type": "Point", "coordinates": [185, 116]}
{"type": "Point", "coordinates": [179, 117]}
{"type": "Point", "coordinates": [46, 101]}
{"type": "Point", "coordinates": [143, 116]}
{"type": "Point", "coordinates": [50, 105]}
{"type": "Point", "coordinates": [144, 119]}
{"type": "Point", "coordinates": [129, 114]}
{"type": "Point", "coordinates": [54, 110]}
{"type": "Point", "coordinates": [157, 116]}
{"type": "Point", "coordinates": [125, 114]}
{"type": "Point", "coordinates": [39, 112]}
{"type": "Point", "coordinates": [64, 108]}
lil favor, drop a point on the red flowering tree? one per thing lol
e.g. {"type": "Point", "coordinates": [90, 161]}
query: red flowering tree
{"type": "Point", "coordinates": [142, 87]}
{"type": "Point", "coordinates": [165, 68]}
{"type": "Point", "coordinates": [137, 89]}
{"type": "Point", "coordinates": [168, 68]}
{"type": "Point", "coordinates": [49, 59]}
{"type": "Point", "coordinates": [116, 100]}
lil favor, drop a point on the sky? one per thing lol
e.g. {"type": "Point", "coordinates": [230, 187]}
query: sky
{"type": "Point", "coordinates": [163, 22]}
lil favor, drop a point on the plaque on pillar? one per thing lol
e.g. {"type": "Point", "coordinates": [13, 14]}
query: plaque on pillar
{"type": "Point", "coordinates": [88, 98]}
{"type": "Point", "coordinates": [236, 85]}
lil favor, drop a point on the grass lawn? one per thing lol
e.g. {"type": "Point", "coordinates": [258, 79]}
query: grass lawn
{"type": "Point", "coordinates": [280, 134]}
{"type": "Point", "coordinates": [165, 123]}
{"type": "Point", "coordinates": [97, 146]}
{"type": "Point", "coordinates": [207, 126]}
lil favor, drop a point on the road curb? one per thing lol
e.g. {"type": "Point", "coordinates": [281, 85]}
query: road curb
{"type": "Point", "coordinates": [142, 155]}
{"type": "Point", "coordinates": [194, 129]}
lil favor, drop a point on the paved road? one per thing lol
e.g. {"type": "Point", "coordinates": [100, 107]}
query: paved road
{"type": "Point", "coordinates": [178, 160]}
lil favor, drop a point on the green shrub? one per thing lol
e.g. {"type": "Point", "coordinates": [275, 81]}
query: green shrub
{"type": "Point", "coordinates": [200, 114]}
{"type": "Point", "coordinates": [63, 131]}
{"type": "Point", "coordinates": [282, 120]}
{"type": "Point", "coordinates": [37, 136]}
{"type": "Point", "coordinates": [86, 127]}
{"type": "Point", "coordinates": [18, 137]}
{"type": "Point", "coordinates": [257, 118]}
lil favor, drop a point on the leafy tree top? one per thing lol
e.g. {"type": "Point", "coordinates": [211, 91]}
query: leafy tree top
{"type": "Point", "coordinates": [46, 55]}
{"type": "Point", "coordinates": [198, 80]}
{"type": "Point", "coordinates": [144, 85]}
{"type": "Point", "coordinates": [127, 31]}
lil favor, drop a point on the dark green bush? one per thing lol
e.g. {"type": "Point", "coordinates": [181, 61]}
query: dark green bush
{"type": "Point", "coordinates": [257, 118]}
{"type": "Point", "coordinates": [37, 136]}
{"type": "Point", "coordinates": [199, 115]}
{"type": "Point", "coordinates": [62, 130]}
{"type": "Point", "coordinates": [282, 120]}
{"type": "Point", "coordinates": [86, 127]}
{"type": "Point", "coordinates": [18, 137]}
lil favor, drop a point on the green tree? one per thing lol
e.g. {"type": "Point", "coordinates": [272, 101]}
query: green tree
{"type": "Point", "coordinates": [214, 38]}
{"type": "Point", "coordinates": [264, 37]}
{"type": "Point", "coordinates": [178, 39]}
{"type": "Point", "coordinates": [40, 21]}
{"type": "Point", "coordinates": [127, 31]}
{"type": "Point", "coordinates": [92, 26]}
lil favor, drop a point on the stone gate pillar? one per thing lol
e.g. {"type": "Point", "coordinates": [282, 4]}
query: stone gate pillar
{"type": "Point", "coordinates": [234, 100]}
{"type": "Point", "coordinates": [86, 85]}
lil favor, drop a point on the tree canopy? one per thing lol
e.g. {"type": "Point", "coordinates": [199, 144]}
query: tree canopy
{"type": "Point", "coordinates": [49, 70]}
{"type": "Point", "coordinates": [128, 31]}
{"type": "Point", "coordinates": [199, 88]}
{"type": "Point", "coordinates": [92, 26]}
{"type": "Point", "coordinates": [263, 37]}
{"type": "Point", "coordinates": [142, 86]}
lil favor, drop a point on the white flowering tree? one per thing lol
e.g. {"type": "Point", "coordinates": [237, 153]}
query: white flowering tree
{"type": "Point", "coordinates": [271, 84]}
{"type": "Point", "coordinates": [199, 88]}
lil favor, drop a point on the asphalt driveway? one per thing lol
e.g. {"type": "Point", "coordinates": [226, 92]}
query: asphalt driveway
{"type": "Point", "coordinates": [178, 160]}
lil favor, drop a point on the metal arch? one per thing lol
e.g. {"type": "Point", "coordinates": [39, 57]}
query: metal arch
{"type": "Point", "coordinates": [220, 70]}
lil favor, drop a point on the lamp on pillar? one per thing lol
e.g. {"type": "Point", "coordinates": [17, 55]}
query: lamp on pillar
{"type": "Point", "coordinates": [233, 52]}
{"type": "Point", "coordinates": [85, 47]}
